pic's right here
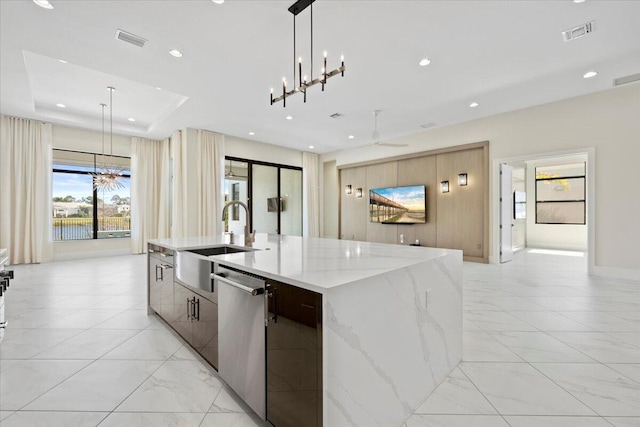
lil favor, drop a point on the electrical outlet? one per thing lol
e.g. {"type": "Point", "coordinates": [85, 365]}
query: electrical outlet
{"type": "Point", "coordinates": [479, 246]}
{"type": "Point", "coordinates": [427, 298]}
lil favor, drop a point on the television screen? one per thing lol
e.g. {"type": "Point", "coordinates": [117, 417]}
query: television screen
{"type": "Point", "coordinates": [272, 204]}
{"type": "Point", "coordinates": [398, 205]}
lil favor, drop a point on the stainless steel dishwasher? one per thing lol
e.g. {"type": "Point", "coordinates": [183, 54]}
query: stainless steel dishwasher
{"type": "Point", "coordinates": [241, 334]}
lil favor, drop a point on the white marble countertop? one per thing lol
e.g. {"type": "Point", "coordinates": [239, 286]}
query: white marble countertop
{"type": "Point", "coordinates": [317, 264]}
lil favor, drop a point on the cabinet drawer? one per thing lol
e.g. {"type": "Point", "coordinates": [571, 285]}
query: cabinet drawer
{"type": "Point", "coordinates": [159, 252]}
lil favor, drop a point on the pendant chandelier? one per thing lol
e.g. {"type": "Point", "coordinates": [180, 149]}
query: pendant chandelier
{"type": "Point", "coordinates": [303, 82]}
{"type": "Point", "coordinates": [108, 177]}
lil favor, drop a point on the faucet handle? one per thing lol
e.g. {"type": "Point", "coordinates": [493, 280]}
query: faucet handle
{"type": "Point", "coordinates": [253, 236]}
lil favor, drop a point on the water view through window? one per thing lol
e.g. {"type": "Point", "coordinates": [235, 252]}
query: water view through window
{"type": "Point", "coordinates": [79, 211]}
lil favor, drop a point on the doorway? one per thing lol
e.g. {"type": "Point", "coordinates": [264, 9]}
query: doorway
{"type": "Point", "coordinates": [540, 188]}
{"type": "Point", "coordinates": [272, 192]}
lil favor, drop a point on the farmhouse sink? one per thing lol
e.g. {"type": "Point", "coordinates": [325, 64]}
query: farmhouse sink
{"type": "Point", "coordinates": [219, 250]}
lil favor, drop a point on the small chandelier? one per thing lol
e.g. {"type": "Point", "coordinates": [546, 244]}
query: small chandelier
{"type": "Point", "coordinates": [303, 82]}
{"type": "Point", "coordinates": [108, 177]}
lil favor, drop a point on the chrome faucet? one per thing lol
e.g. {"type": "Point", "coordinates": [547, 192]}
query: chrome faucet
{"type": "Point", "coordinates": [248, 236]}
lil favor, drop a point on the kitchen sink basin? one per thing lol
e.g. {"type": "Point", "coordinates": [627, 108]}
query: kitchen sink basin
{"type": "Point", "coordinates": [219, 250]}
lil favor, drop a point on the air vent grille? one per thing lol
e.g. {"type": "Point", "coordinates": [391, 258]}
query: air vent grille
{"type": "Point", "coordinates": [627, 79]}
{"type": "Point", "coordinates": [579, 31]}
{"type": "Point", "coordinates": [428, 125]}
{"type": "Point", "coordinates": [336, 115]}
{"type": "Point", "coordinates": [130, 38]}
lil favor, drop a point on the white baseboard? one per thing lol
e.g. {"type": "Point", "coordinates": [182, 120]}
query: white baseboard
{"type": "Point", "coordinates": [70, 256]}
{"type": "Point", "coordinates": [616, 273]}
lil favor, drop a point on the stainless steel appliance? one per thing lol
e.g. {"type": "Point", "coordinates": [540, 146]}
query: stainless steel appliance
{"type": "Point", "coordinates": [194, 269]}
{"type": "Point", "coordinates": [241, 328]}
{"type": "Point", "coordinates": [5, 277]}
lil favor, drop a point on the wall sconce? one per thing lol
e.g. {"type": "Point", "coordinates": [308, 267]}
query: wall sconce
{"type": "Point", "coordinates": [359, 193]}
{"type": "Point", "coordinates": [347, 189]}
{"type": "Point", "coordinates": [462, 179]}
{"type": "Point", "coordinates": [444, 186]}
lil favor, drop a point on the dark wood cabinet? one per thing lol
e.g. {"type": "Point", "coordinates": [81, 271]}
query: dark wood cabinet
{"type": "Point", "coordinates": [294, 356]}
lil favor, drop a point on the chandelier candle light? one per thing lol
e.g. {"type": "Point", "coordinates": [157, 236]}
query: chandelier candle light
{"type": "Point", "coordinates": [108, 178]}
{"type": "Point", "coordinates": [303, 83]}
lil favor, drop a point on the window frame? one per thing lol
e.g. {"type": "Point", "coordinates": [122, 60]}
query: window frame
{"type": "Point", "coordinates": [94, 191]}
{"type": "Point", "coordinates": [555, 178]}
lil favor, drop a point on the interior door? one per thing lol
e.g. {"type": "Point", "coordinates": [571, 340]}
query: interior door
{"type": "Point", "coordinates": [506, 216]}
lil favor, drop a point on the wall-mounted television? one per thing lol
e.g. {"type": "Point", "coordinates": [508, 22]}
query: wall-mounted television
{"type": "Point", "coordinates": [272, 204]}
{"type": "Point", "coordinates": [398, 205]}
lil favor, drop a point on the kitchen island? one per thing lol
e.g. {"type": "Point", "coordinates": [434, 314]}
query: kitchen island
{"type": "Point", "coordinates": [389, 322]}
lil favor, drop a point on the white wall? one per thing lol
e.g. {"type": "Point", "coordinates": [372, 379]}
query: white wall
{"type": "Point", "coordinates": [329, 200]}
{"type": "Point", "coordinates": [552, 236]}
{"type": "Point", "coordinates": [246, 149]}
{"type": "Point", "coordinates": [68, 138]}
{"type": "Point", "coordinates": [605, 123]}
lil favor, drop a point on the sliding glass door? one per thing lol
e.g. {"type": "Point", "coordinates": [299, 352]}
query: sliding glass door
{"type": "Point", "coordinates": [291, 204]}
{"type": "Point", "coordinates": [264, 206]}
{"type": "Point", "coordinates": [273, 193]}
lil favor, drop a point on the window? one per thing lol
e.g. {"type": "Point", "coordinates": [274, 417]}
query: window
{"type": "Point", "coordinates": [79, 211]}
{"type": "Point", "coordinates": [519, 205]}
{"type": "Point", "coordinates": [560, 194]}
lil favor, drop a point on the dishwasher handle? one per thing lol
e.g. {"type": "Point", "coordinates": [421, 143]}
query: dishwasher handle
{"type": "Point", "coordinates": [248, 289]}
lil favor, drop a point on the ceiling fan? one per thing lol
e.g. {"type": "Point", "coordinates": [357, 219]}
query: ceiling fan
{"type": "Point", "coordinates": [229, 174]}
{"type": "Point", "coordinates": [375, 136]}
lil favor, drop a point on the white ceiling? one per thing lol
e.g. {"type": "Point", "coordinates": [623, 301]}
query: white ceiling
{"type": "Point", "coordinates": [505, 55]}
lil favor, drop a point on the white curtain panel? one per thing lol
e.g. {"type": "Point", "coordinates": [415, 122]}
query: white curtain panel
{"type": "Point", "coordinates": [310, 195]}
{"type": "Point", "coordinates": [210, 148]}
{"type": "Point", "coordinates": [179, 186]}
{"type": "Point", "coordinates": [150, 207]}
{"type": "Point", "coordinates": [25, 190]}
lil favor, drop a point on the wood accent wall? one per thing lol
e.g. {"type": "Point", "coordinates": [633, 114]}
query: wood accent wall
{"type": "Point", "coordinates": [455, 220]}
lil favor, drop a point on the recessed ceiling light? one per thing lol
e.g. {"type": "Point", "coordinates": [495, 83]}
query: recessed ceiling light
{"type": "Point", "coordinates": [63, 61]}
{"type": "Point", "coordinates": [158, 87]}
{"type": "Point", "coordinates": [351, 136]}
{"type": "Point", "coordinates": [473, 105]}
{"type": "Point", "coordinates": [61, 106]}
{"type": "Point", "coordinates": [44, 3]}
{"type": "Point", "coordinates": [252, 133]}
{"type": "Point", "coordinates": [289, 118]}
{"type": "Point", "coordinates": [589, 74]}
{"type": "Point", "coordinates": [312, 147]}
{"type": "Point", "coordinates": [218, 1]}
{"type": "Point", "coordinates": [131, 119]}
{"type": "Point", "coordinates": [424, 62]}
{"type": "Point", "coordinates": [578, 1]}
{"type": "Point", "coordinates": [176, 53]}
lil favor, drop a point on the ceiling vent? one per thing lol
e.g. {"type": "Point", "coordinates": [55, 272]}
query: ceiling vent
{"type": "Point", "coordinates": [579, 31]}
{"type": "Point", "coordinates": [336, 115]}
{"type": "Point", "coordinates": [428, 125]}
{"type": "Point", "coordinates": [627, 79]}
{"type": "Point", "coordinates": [130, 38]}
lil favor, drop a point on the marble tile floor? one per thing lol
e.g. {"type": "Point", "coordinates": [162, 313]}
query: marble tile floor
{"type": "Point", "coordinates": [544, 345]}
